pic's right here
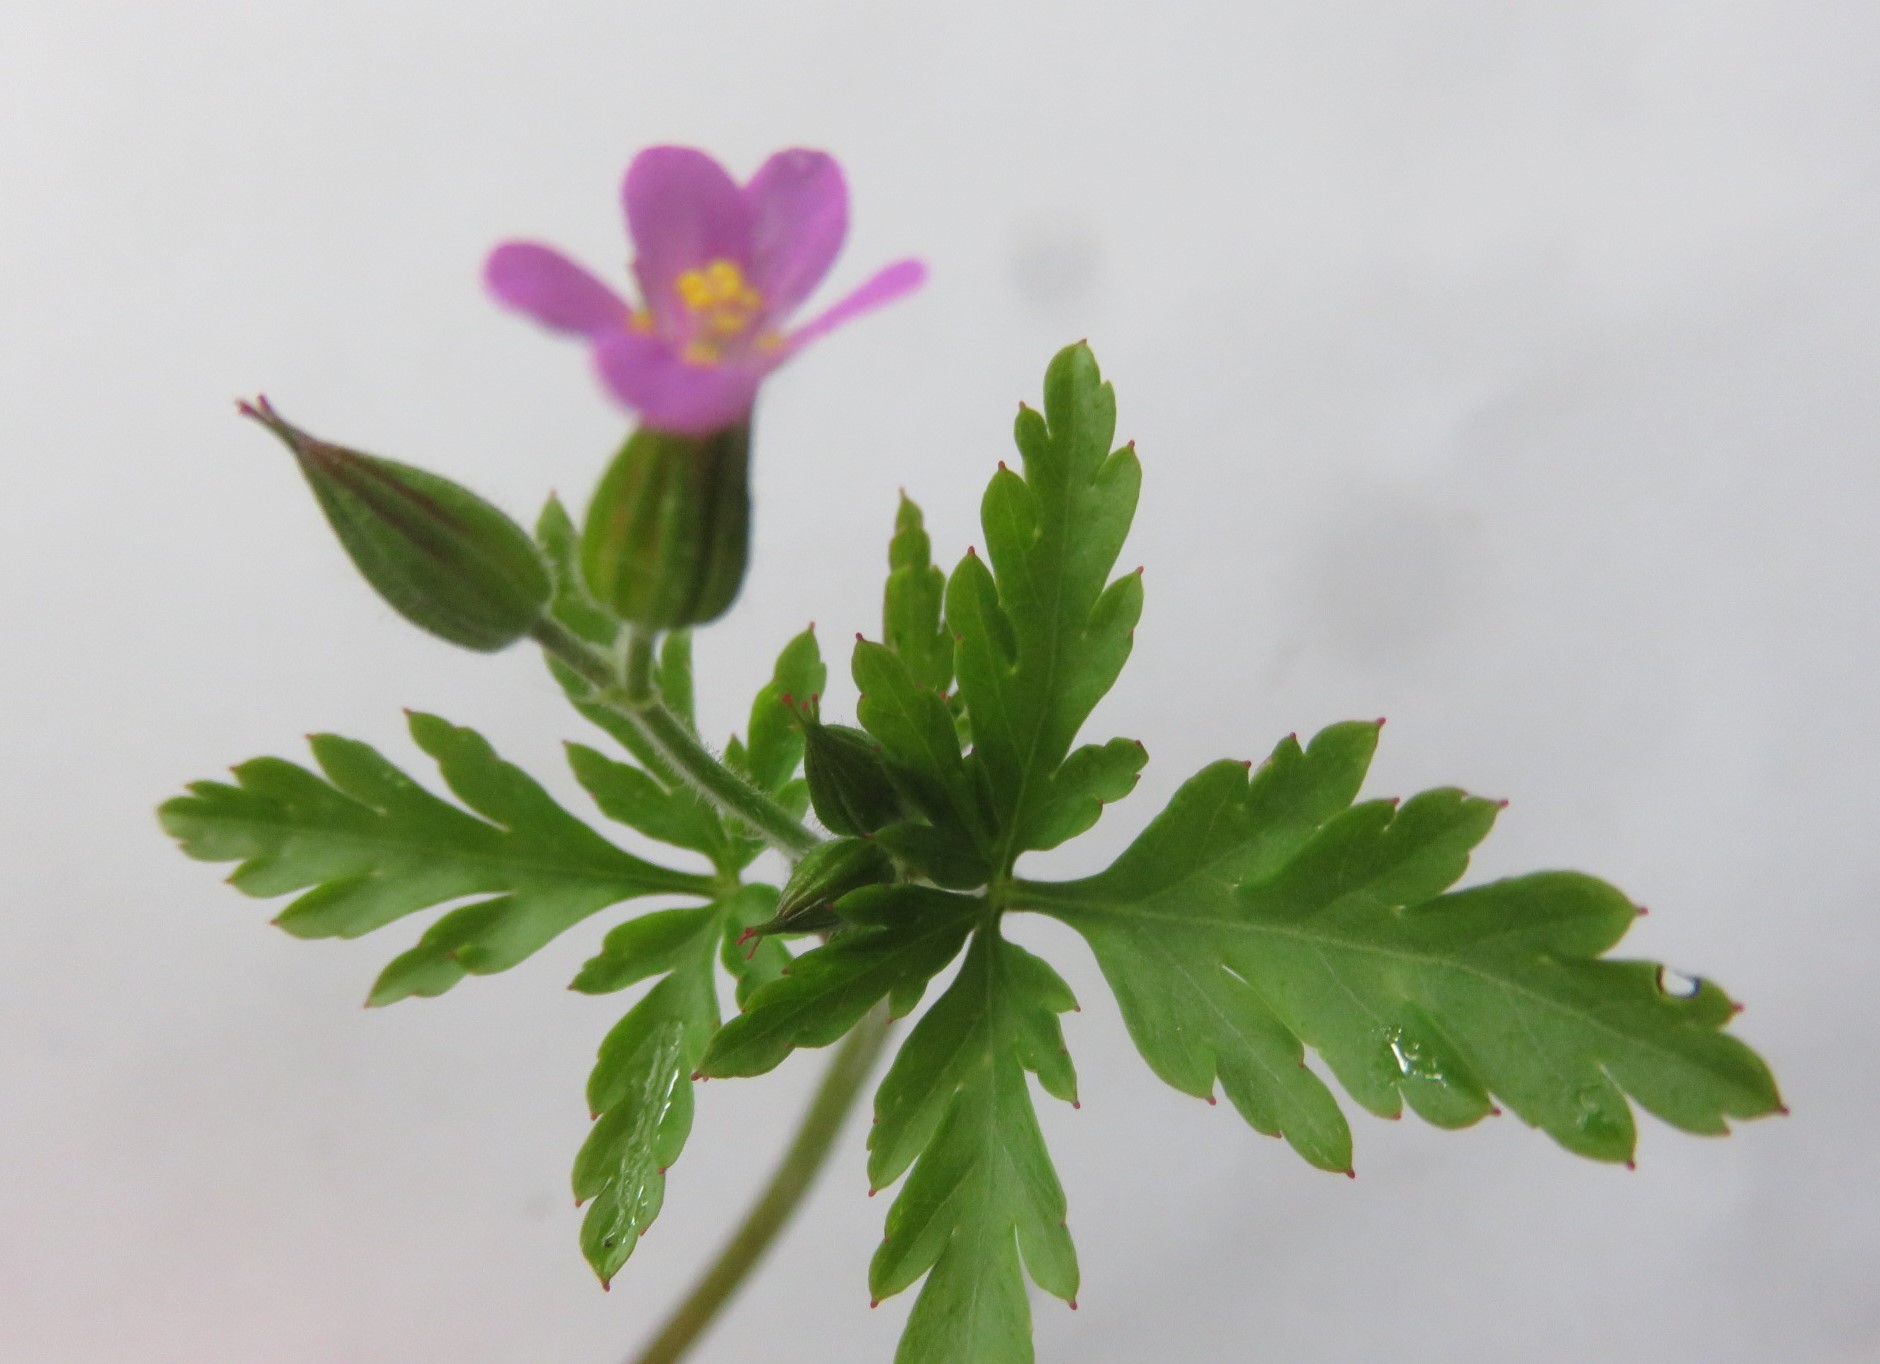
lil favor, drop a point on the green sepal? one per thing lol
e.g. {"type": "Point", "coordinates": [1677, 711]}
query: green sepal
{"type": "Point", "coordinates": [667, 533]}
{"type": "Point", "coordinates": [825, 874]}
{"type": "Point", "coordinates": [850, 787]}
{"type": "Point", "coordinates": [442, 557]}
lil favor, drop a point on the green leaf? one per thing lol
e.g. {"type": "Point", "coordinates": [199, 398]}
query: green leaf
{"type": "Point", "coordinates": [773, 747]}
{"type": "Point", "coordinates": [640, 1090]}
{"type": "Point", "coordinates": [956, 1106]}
{"type": "Point", "coordinates": [921, 749]}
{"type": "Point", "coordinates": [911, 602]}
{"type": "Point", "coordinates": [674, 676]}
{"type": "Point", "coordinates": [367, 845]}
{"type": "Point", "coordinates": [635, 798]}
{"type": "Point", "coordinates": [1090, 778]}
{"type": "Point", "coordinates": [570, 604]}
{"type": "Point", "coordinates": [1259, 913]}
{"type": "Point", "coordinates": [904, 935]}
{"type": "Point", "coordinates": [1043, 633]}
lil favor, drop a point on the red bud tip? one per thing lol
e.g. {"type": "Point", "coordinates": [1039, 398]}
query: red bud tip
{"type": "Point", "coordinates": [1247, 763]}
{"type": "Point", "coordinates": [1393, 1117]}
{"type": "Point", "coordinates": [812, 627]}
{"type": "Point", "coordinates": [644, 1230]}
{"type": "Point", "coordinates": [1631, 1165]}
{"type": "Point", "coordinates": [1075, 1103]}
{"type": "Point", "coordinates": [1736, 1006]}
{"type": "Point", "coordinates": [1212, 1101]}
{"type": "Point", "coordinates": [698, 1075]}
{"type": "Point", "coordinates": [1501, 805]}
{"type": "Point", "coordinates": [873, 1192]}
{"type": "Point", "coordinates": [1351, 1174]}
{"type": "Point", "coordinates": [972, 551]}
{"type": "Point", "coordinates": [1138, 570]}
{"type": "Point", "coordinates": [593, 1114]}
{"type": "Point", "coordinates": [1642, 911]}
{"type": "Point", "coordinates": [1783, 1109]}
{"type": "Point", "coordinates": [1073, 1304]}
{"type": "Point", "coordinates": [1001, 466]}
{"type": "Point", "coordinates": [607, 1285]}
{"type": "Point", "coordinates": [1493, 1111]}
{"type": "Point", "coordinates": [1394, 801]}
{"type": "Point", "coordinates": [858, 637]}
{"type": "Point", "coordinates": [873, 1303]}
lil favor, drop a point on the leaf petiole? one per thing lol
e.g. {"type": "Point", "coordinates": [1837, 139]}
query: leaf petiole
{"type": "Point", "coordinates": [628, 688]}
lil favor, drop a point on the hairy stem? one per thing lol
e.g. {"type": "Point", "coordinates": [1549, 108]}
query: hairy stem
{"type": "Point", "coordinates": [628, 688]}
{"type": "Point", "coordinates": [841, 1086]}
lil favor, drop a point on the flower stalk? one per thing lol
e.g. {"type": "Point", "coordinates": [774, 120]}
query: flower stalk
{"type": "Point", "coordinates": [841, 1086]}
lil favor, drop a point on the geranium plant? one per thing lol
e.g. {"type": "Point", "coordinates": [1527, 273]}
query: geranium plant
{"type": "Point", "coordinates": [1266, 918]}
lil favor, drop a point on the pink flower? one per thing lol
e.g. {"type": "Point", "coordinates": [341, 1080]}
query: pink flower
{"type": "Point", "coordinates": [721, 269]}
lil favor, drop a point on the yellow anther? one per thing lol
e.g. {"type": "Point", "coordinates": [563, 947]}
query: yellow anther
{"type": "Point", "coordinates": [724, 301]}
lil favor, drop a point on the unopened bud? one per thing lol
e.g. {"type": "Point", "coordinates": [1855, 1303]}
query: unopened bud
{"type": "Point", "coordinates": [848, 781]}
{"type": "Point", "coordinates": [441, 556]}
{"type": "Point", "coordinates": [668, 531]}
{"type": "Point", "coordinates": [827, 873]}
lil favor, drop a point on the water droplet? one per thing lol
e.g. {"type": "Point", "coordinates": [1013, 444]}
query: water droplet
{"type": "Point", "coordinates": [1416, 1059]}
{"type": "Point", "coordinates": [1677, 985]}
{"type": "Point", "coordinates": [1596, 1118]}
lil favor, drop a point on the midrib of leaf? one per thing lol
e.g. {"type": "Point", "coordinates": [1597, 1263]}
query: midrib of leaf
{"type": "Point", "coordinates": [1322, 941]}
{"type": "Point", "coordinates": [1053, 655]}
{"type": "Point", "coordinates": [571, 871]}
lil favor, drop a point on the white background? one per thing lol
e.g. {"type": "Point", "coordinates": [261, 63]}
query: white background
{"type": "Point", "coordinates": [1507, 369]}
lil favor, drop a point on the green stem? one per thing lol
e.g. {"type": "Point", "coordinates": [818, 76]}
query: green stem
{"type": "Point", "coordinates": [841, 1086]}
{"type": "Point", "coordinates": [628, 688]}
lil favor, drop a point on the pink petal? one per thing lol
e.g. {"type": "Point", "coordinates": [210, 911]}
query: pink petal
{"type": "Point", "coordinates": [671, 395]}
{"type": "Point", "coordinates": [799, 212]}
{"type": "Point", "coordinates": [552, 289]}
{"type": "Point", "coordinates": [903, 277]}
{"type": "Point", "coordinates": [684, 212]}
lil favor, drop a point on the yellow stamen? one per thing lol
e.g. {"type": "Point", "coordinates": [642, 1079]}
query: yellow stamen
{"type": "Point", "coordinates": [723, 301]}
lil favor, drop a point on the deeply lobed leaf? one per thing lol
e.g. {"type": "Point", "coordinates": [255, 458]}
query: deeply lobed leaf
{"type": "Point", "coordinates": [956, 1107]}
{"type": "Point", "coordinates": [368, 845]}
{"type": "Point", "coordinates": [1257, 914]}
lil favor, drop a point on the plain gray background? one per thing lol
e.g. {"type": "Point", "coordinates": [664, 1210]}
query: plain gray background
{"type": "Point", "coordinates": [1507, 369]}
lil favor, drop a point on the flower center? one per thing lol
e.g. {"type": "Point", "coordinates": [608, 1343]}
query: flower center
{"type": "Point", "coordinates": [722, 304]}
